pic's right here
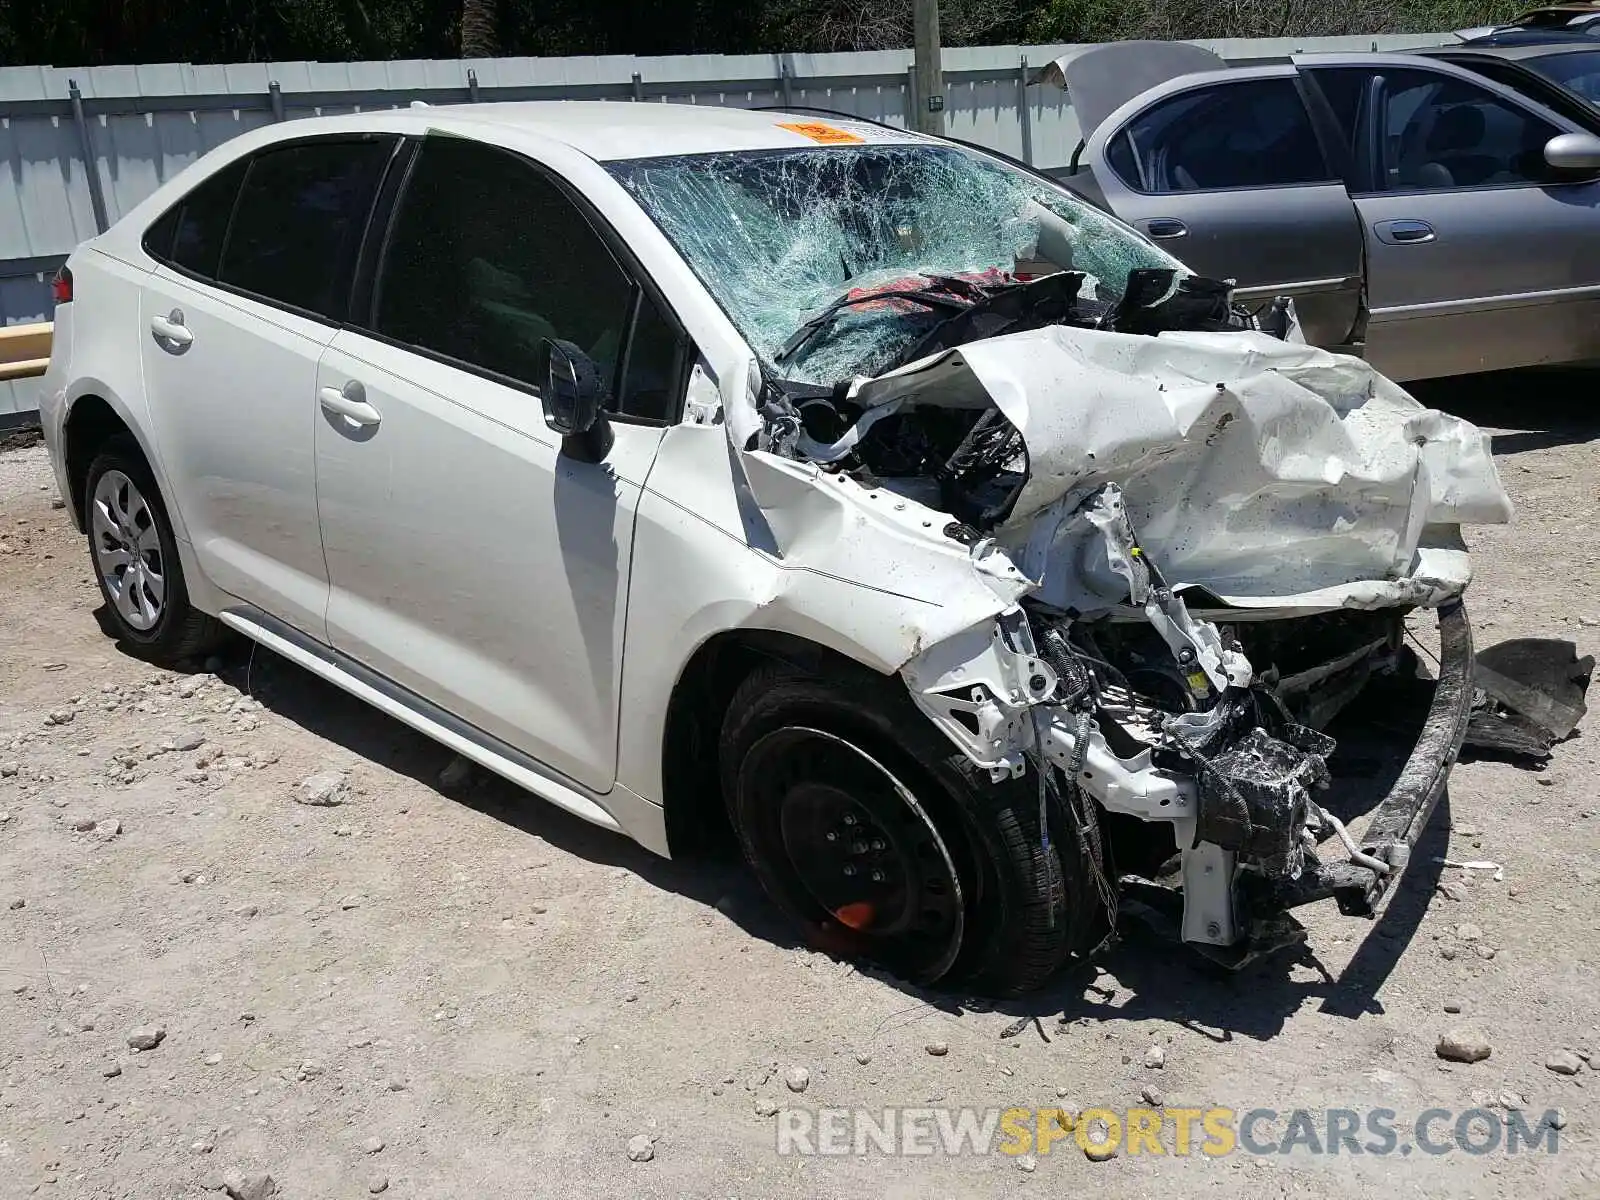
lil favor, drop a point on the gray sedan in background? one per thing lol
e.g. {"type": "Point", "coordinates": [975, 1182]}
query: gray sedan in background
{"type": "Point", "coordinates": [1550, 72]}
{"type": "Point", "coordinates": [1431, 216]}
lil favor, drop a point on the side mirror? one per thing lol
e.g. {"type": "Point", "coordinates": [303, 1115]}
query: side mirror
{"type": "Point", "coordinates": [572, 396]}
{"type": "Point", "coordinates": [1573, 152]}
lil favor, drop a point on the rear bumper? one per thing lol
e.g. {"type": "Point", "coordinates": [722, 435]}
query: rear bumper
{"type": "Point", "coordinates": [1404, 813]}
{"type": "Point", "coordinates": [53, 409]}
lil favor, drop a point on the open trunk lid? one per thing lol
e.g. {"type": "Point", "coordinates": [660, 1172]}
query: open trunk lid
{"type": "Point", "coordinates": [1102, 80]}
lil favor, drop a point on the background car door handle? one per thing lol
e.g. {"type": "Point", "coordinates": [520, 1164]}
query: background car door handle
{"type": "Point", "coordinates": [1166, 227]}
{"type": "Point", "coordinates": [172, 335]}
{"type": "Point", "coordinates": [350, 403]}
{"type": "Point", "coordinates": [1404, 233]}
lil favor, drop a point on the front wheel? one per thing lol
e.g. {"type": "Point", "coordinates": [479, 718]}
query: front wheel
{"type": "Point", "coordinates": [885, 844]}
{"type": "Point", "coordinates": [135, 559]}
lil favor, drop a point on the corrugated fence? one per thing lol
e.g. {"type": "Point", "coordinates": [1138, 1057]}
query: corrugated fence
{"type": "Point", "coordinates": [80, 147]}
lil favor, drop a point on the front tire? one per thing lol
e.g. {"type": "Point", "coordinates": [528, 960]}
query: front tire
{"type": "Point", "coordinates": [134, 556]}
{"type": "Point", "coordinates": [883, 843]}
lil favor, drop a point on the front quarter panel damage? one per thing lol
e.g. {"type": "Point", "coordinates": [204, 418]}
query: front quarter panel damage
{"type": "Point", "coordinates": [1187, 485]}
{"type": "Point", "coordinates": [732, 541]}
{"type": "Point", "coordinates": [979, 687]}
{"type": "Point", "coordinates": [1261, 470]}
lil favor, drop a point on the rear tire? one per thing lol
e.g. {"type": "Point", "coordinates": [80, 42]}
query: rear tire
{"type": "Point", "coordinates": [885, 844]}
{"type": "Point", "coordinates": [134, 556]}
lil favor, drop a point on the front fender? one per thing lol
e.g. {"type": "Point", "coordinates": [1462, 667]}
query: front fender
{"type": "Point", "coordinates": [813, 561]}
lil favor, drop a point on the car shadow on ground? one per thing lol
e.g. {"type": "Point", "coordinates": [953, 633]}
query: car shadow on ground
{"type": "Point", "coordinates": [1153, 979]}
{"type": "Point", "coordinates": [1541, 408]}
{"type": "Point", "coordinates": [317, 706]}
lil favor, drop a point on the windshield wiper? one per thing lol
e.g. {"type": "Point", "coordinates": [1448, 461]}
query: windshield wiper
{"type": "Point", "coordinates": [937, 295]}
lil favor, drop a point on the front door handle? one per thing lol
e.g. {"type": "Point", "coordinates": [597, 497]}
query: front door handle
{"type": "Point", "coordinates": [1404, 232]}
{"type": "Point", "coordinates": [172, 335]}
{"type": "Point", "coordinates": [349, 402]}
{"type": "Point", "coordinates": [1166, 228]}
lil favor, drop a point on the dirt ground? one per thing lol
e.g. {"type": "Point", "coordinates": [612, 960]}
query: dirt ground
{"type": "Point", "coordinates": [457, 991]}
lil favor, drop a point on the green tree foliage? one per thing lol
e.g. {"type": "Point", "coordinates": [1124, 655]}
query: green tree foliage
{"type": "Point", "coordinates": [93, 32]}
{"type": "Point", "coordinates": [480, 29]}
{"type": "Point", "coordinates": [1111, 20]}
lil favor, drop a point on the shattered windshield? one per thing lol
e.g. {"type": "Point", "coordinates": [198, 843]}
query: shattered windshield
{"type": "Point", "coordinates": [835, 262]}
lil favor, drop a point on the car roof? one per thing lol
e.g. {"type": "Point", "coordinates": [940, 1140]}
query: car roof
{"type": "Point", "coordinates": [607, 130]}
{"type": "Point", "coordinates": [1554, 14]}
{"type": "Point", "coordinates": [1577, 35]}
{"type": "Point", "coordinates": [1517, 52]}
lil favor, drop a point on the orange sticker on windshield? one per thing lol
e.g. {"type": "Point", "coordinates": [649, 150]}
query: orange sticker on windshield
{"type": "Point", "coordinates": [826, 134]}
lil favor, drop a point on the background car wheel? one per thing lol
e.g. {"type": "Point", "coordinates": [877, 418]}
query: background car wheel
{"type": "Point", "coordinates": [884, 843]}
{"type": "Point", "coordinates": [135, 559]}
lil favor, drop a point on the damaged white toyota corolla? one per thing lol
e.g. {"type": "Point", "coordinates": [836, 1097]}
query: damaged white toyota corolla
{"type": "Point", "coordinates": [863, 491]}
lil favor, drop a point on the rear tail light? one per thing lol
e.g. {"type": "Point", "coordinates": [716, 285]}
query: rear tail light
{"type": "Point", "coordinates": [61, 286]}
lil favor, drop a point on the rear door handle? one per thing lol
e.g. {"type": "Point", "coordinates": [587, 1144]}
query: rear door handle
{"type": "Point", "coordinates": [1404, 232]}
{"type": "Point", "coordinates": [1166, 227]}
{"type": "Point", "coordinates": [350, 402]}
{"type": "Point", "coordinates": [172, 335]}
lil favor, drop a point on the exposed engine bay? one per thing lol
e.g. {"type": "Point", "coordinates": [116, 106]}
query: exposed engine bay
{"type": "Point", "coordinates": [973, 461]}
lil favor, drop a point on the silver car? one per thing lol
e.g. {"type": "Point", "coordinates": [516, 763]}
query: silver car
{"type": "Point", "coordinates": [1564, 74]}
{"type": "Point", "coordinates": [1436, 220]}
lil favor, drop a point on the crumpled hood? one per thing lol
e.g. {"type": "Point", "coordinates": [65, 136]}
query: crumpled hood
{"type": "Point", "coordinates": [1272, 473]}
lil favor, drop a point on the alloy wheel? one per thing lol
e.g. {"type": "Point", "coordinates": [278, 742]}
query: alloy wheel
{"type": "Point", "coordinates": [127, 551]}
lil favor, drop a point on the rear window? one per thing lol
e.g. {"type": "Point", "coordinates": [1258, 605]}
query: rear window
{"type": "Point", "coordinates": [1238, 134]}
{"type": "Point", "coordinates": [192, 232]}
{"type": "Point", "coordinates": [301, 215]}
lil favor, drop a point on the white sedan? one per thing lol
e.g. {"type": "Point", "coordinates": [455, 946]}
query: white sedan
{"type": "Point", "coordinates": [861, 491]}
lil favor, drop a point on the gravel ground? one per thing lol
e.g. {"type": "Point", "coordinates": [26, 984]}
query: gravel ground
{"type": "Point", "coordinates": [445, 989]}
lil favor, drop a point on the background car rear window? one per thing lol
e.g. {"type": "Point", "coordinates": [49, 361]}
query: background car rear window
{"type": "Point", "coordinates": [1580, 72]}
{"type": "Point", "coordinates": [299, 222]}
{"type": "Point", "coordinates": [1253, 133]}
{"type": "Point", "coordinates": [488, 257]}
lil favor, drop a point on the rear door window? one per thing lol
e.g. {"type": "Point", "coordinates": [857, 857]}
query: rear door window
{"type": "Point", "coordinates": [299, 221]}
{"type": "Point", "coordinates": [1246, 134]}
{"type": "Point", "coordinates": [192, 232]}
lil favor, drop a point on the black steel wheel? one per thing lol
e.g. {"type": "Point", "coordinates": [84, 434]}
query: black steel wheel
{"type": "Point", "coordinates": [884, 844]}
{"type": "Point", "coordinates": [843, 837]}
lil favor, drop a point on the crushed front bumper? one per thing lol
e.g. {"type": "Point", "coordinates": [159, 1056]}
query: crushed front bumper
{"type": "Point", "coordinates": [1404, 813]}
{"type": "Point", "coordinates": [1231, 909]}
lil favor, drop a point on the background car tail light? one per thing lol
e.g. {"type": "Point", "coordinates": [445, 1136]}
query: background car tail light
{"type": "Point", "coordinates": [61, 286]}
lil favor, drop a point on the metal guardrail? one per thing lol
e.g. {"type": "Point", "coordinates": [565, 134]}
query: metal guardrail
{"type": "Point", "coordinates": [25, 350]}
